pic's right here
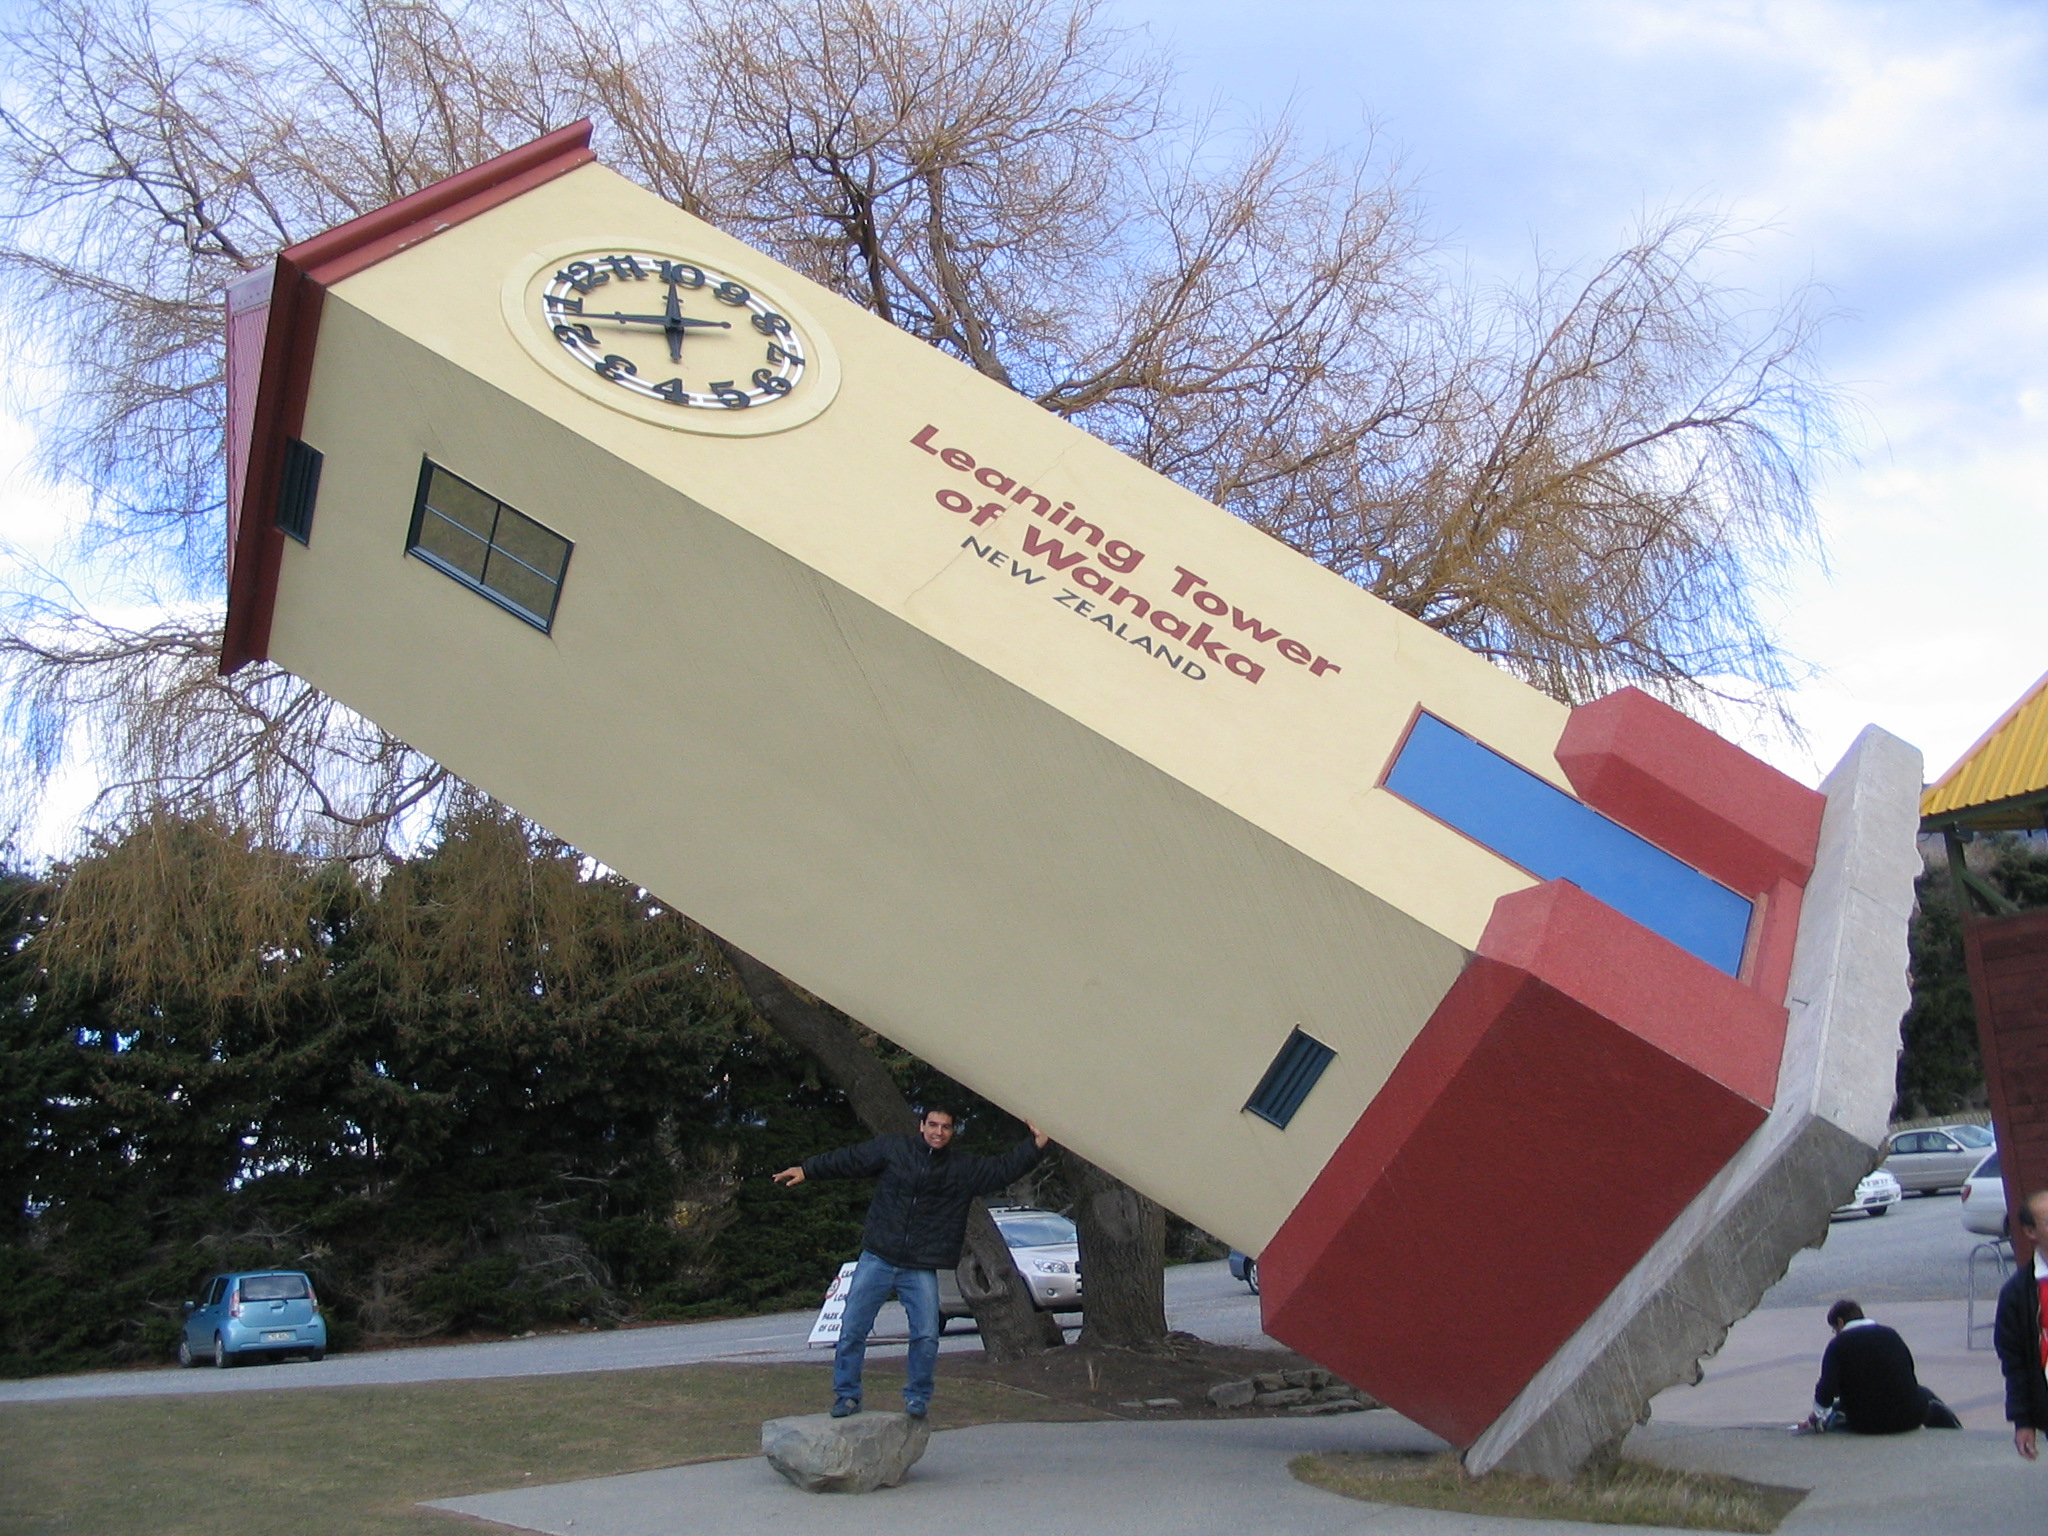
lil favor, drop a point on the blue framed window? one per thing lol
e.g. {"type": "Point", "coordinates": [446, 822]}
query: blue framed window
{"type": "Point", "coordinates": [1531, 822]}
{"type": "Point", "coordinates": [495, 550]}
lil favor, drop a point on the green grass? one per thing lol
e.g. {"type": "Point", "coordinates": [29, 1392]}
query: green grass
{"type": "Point", "coordinates": [354, 1461]}
{"type": "Point", "coordinates": [1621, 1493]}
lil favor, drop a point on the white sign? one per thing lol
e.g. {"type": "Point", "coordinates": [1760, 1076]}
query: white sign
{"type": "Point", "coordinates": [826, 1329]}
{"type": "Point", "coordinates": [890, 1323]}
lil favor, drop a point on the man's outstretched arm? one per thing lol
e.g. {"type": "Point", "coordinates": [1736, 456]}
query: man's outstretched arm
{"type": "Point", "coordinates": [856, 1162]}
{"type": "Point", "coordinates": [996, 1172]}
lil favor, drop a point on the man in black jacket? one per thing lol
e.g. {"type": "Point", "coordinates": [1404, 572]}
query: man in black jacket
{"type": "Point", "coordinates": [916, 1225]}
{"type": "Point", "coordinates": [1867, 1381]}
{"type": "Point", "coordinates": [2022, 1346]}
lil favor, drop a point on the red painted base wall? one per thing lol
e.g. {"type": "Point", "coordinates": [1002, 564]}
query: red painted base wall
{"type": "Point", "coordinates": [2008, 959]}
{"type": "Point", "coordinates": [1576, 1088]}
{"type": "Point", "coordinates": [1580, 1083]}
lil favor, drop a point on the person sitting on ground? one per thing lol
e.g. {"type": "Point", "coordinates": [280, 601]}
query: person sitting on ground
{"type": "Point", "coordinates": [916, 1226]}
{"type": "Point", "coordinates": [1867, 1383]}
{"type": "Point", "coordinates": [2019, 1337]}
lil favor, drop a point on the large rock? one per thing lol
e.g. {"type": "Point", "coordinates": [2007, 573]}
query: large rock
{"type": "Point", "coordinates": [1233, 1394]}
{"type": "Point", "coordinates": [858, 1454]}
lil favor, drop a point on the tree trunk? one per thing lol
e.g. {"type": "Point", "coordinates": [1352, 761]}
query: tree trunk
{"type": "Point", "coordinates": [989, 1282]}
{"type": "Point", "coordinates": [1123, 1259]}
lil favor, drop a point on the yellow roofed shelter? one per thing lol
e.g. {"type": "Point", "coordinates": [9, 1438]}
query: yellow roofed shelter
{"type": "Point", "coordinates": [2001, 785]}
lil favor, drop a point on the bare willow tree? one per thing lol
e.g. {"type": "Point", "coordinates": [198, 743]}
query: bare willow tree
{"type": "Point", "coordinates": [1589, 479]}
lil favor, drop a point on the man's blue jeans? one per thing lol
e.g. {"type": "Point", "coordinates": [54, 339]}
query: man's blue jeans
{"type": "Point", "coordinates": [918, 1289]}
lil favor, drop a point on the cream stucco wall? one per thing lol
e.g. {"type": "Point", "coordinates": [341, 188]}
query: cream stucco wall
{"type": "Point", "coordinates": [781, 693]}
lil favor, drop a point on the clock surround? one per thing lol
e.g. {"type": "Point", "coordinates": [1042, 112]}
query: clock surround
{"type": "Point", "coordinates": [687, 340]}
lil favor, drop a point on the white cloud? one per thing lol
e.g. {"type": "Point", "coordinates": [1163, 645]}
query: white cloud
{"type": "Point", "coordinates": [36, 518]}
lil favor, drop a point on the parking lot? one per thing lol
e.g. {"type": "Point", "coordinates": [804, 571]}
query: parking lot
{"type": "Point", "coordinates": [1919, 1252]}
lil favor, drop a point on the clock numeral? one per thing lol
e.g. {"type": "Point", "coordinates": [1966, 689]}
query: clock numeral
{"type": "Point", "coordinates": [730, 292]}
{"type": "Point", "coordinates": [728, 396]}
{"type": "Point", "coordinates": [673, 392]}
{"type": "Point", "coordinates": [576, 336]}
{"type": "Point", "coordinates": [774, 383]}
{"type": "Point", "coordinates": [625, 266]}
{"type": "Point", "coordinates": [682, 274]}
{"type": "Point", "coordinates": [558, 305]}
{"type": "Point", "coordinates": [771, 324]}
{"type": "Point", "coordinates": [783, 355]}
{"type": "Point", "coordinates": [582, 276]}
{"type": "Point", "coordinates": [615, 366]}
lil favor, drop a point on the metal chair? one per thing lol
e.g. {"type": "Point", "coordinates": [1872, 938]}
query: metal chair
{"type": "Point", "coordinates": [1996, 1255]}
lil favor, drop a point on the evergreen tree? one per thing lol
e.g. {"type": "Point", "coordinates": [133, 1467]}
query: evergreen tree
{"type": "Point", "coordinates": [1941, 1070]}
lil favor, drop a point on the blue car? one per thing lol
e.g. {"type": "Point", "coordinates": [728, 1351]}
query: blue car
{"type": "Point", "coordinates": [1246, 1268]}
{"type": "Point", "coordinates": [253, 1314]}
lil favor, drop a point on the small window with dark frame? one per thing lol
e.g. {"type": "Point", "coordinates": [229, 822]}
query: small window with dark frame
{"type": "Point", "coordinates": [1288, 1080]}
{"type": "Point", "coordinates": [298, 490]}
{"type": "Point", "coordinates": [489, 547]}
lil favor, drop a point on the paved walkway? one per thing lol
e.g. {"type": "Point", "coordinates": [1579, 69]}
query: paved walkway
{"type": "Point", "coordinates": [1195, 1477]}
{"type": "Point", "coordinates": [1219, 1478]}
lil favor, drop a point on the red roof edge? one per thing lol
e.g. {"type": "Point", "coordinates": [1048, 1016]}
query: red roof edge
{"type": "Point", "coordinates": [303, 275]}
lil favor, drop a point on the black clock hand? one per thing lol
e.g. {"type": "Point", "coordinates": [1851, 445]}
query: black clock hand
{"type": "Point", "coordinates": [662, 320]}
{"type": "Point", "coordinates": [672, 323]}
{"type": "Point", "coordinates": [672, 326]}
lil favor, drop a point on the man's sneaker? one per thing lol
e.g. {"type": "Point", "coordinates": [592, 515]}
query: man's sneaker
{"type": "Point", "coordinates": [845, 1407]}
{"type": "Point", "coordinates": [915, 1410]}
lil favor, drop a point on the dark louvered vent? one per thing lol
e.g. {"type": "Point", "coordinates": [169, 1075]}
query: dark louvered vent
{"type": "Point", "coordinates": [1288, 1080]}
{"type": "Point", "coordinates": [301, 486]}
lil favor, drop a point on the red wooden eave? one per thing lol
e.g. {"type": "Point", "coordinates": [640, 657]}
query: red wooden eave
{"type": "Point", "coordinates": [301, 278]}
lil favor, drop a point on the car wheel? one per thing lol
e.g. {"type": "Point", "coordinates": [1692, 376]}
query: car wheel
{"type": "Point", "coordinates": [1880, 1210]}
{"type": "Point", "coordinates": [1251, 1275]}
{"type": "Point", "coordinates": [185, 1356]}
{"type": "Point", "coordinates": [223, 1357]}
{"type": "Point", "coordinates": [315, 1356]}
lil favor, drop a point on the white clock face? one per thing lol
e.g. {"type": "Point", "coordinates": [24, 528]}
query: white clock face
{"type": "Point", "coordinates": [672, 330]}
{"type": "Point", "coordinates": [673, 338]}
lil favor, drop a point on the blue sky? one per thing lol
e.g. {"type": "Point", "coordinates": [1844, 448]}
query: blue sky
{"type": "Point", "coordinates": [1892, 153]}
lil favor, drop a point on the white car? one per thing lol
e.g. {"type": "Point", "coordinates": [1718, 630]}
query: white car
{"type": "Point", "coordinates": [1984, 1200]}
{"type": "Point", "coordinates": [1876, 1195]}
{"type": "Point", "coordinates": [1047, 1251]}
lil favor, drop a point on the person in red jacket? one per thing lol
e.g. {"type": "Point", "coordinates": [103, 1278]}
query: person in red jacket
{"type": "Point", "coordinates": [2022, 1345]}
{"type": "Point", "coordinates": [917, 1223]}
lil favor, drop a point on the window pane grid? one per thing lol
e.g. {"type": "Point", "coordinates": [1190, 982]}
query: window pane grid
{"type": "Point", "coordinates": [500, 552]}
{"type": "Point", "coordinates": [488, 546]}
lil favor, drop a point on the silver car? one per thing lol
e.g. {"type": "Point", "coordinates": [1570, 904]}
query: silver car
{"type": "Point", "coordinates": [1047, 1252]}
{"type": "Point", "coordinates": [1925, 1161]}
